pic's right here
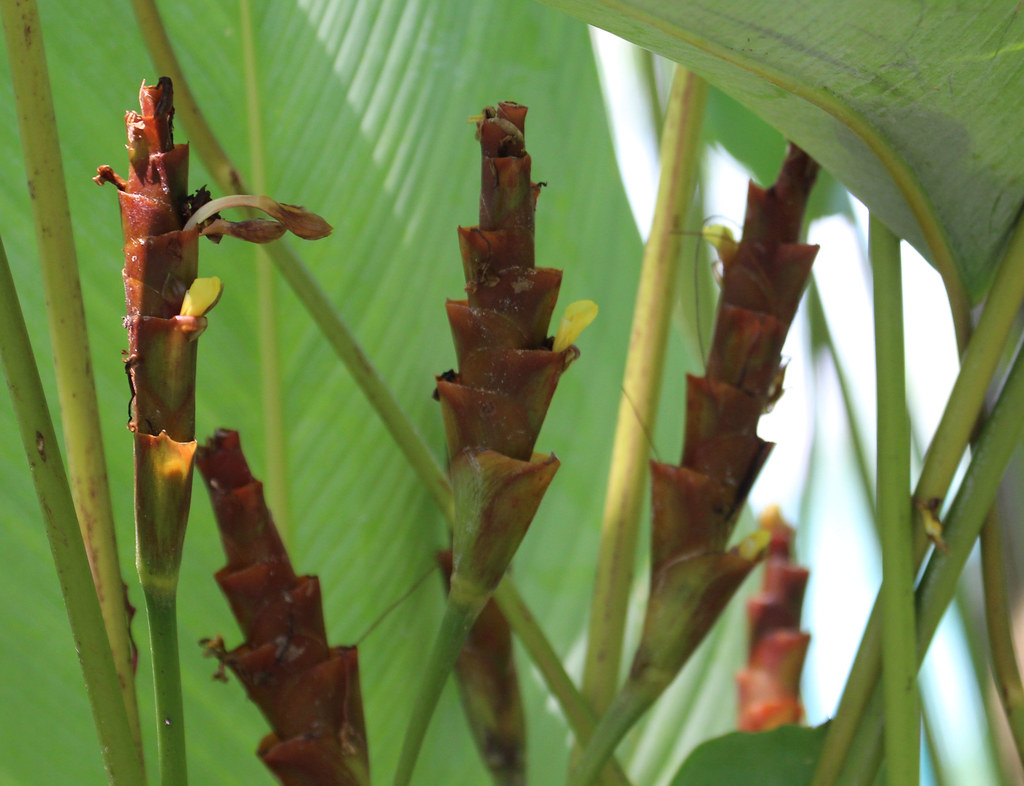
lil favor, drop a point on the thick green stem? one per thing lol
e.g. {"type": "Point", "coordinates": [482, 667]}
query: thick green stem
{"type": "Point", "coordinates": [978, 365]}
{"type": "Point", "coordinates": [641, 388]}
{"type": "Point", "coordinates": [458, 619]}
{"type": "Point", "coordinates": [121, 756]}
{"type": "Point", "coordinates": [65, 312]}
{"type": "Point", "coordinates": [899, 662]}
{"type": "Point", "coordinates": [170, 717]}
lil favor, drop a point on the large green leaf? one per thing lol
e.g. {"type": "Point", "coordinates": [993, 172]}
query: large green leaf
{"type": "Point", "coordinates": [914, 108]}
{"type": "Point", "coordinates": [364, 108]}
{"type": "Point", "coordinates": [782, 757]}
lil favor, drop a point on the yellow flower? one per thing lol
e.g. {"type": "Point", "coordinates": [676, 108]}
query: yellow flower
{"type": "Point", "coordinates": [722, 238]}
{"type": "Point", "coordinates": [201, 296]}
{"type": "Point", "coordinates": [752, 546]}
{"type": "Point", "coordinates": [577, 316]}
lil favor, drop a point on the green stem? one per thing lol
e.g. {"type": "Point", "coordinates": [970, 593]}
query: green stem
{"type": "Point", "coordinates": [899, 662]}
{"type": "Point", "coordinates": [66, 315]}
{"type": "Point", "coordinates": [641, 387]}
{"type": "Point", "coordinates": [631, 702]}
{"type": "Point", "coordinates": [821, 336]}
{"type": "Point", "coordinates": [458, 619]}
{"type": "Point", "coordinates": [821, 333]}
{"type": "Point", "coordinates": [977, 367]}
{"type": "Point", "coordinates": [577, 712]}
{"type": "Point", "coordinates": [997, 617]}
{"type": "Point", "coordinates": [932, 746]}
{"type": "Point", "coordinates": [996, 443]}
{"type": "Point", "coordinates": [275, 451]}
{"type": "Point", "coordinates": [161, 607]}
{"type": "Point", "coordinates": [122, 758]}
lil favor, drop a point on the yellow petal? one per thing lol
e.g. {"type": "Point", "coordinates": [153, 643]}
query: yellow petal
{"type": "Point", "coordinates": [201, 296]}
{"type": "Point", "coordinates": [754, 544]}
{"type": "Point", "coordinates": [722, 238]}
{"type": "Point", "coordinates": [577, 316]}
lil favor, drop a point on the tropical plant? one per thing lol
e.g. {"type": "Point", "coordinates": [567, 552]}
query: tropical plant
{"type": "Point", "coordinates": [356, 108]}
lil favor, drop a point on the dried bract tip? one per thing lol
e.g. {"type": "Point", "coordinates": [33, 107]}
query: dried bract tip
{"type": "Point", "coordinates": [255, 230]}
{"type": "Point", "coordinates": [932, 525]}
{"type": "Point", "coordinates": [297, 220]}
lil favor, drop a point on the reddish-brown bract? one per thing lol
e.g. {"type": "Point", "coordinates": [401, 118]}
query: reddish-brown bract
{"type": "Point", "coordinates": [307, 690]}
{"type": "Point", "coordinates": [494, 404]}
{"type": "Point", "coordinates": [769, 686]}
{"type": "Point", "coordinates": [695, 504]}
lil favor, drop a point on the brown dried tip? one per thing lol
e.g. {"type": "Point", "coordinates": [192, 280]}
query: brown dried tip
{"type": "Point", "coordinates": [301, 222]}
{"type": "Point", "coordinates": [255, 230]}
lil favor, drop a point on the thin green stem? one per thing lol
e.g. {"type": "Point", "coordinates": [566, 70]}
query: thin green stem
{"type": "Point", "coordinates": [821, 336]}
{"type": "Point", "coordinates": [899, 662]}
{"type": "Point", "coordinates": [821, 333]}
{"type": "Point", "coordinates": [161, 607]}
{"type": "Point", "coordinates": [977, 367]}
{"type": "Point", "coordinates": [1005, 669]}
{"type": "Point", "coordinates": [275, 453]}
{"type": "Point", "coordinates": [66, 314]}
{"type": "Point", "coordinates": [641, 387]}
{"type": "Point", "coordinates": [932, 746]}
{"type": "Point", "coordinates": [458, 619]}
{"type": "Point", "coordinates": [996, 443]}
{"type": "Point", "coordinates": [631, 702]}
{"type": "Point", "coordinates": [122, 758]}
{"type": "Point", "coordinates": [577, 712]}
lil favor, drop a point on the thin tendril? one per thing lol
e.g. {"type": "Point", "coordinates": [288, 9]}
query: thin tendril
{"type": "Point", "coordinates": [395, 604]}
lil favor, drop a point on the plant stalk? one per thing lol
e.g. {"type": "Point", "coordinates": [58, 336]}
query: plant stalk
{"type": "Point", "coordinates": [631, 702]}
{"type": "Point", "coordinates": [275, 450]}
{"type": "Point", "coordinates": [578, 713]}
{"type": "Point", "coordinates": [998, 614]}
{"type": "Point", "coordinates": [977, 367]}
{"type": "Point", "coordinates": [641, 388]}
{"type": "Point", "coordinates": [161, 607]}
{"type": "Point", "coordinates": [66, 315]}
{"type": "Point", "coordinates": [899, 662]}
{"type": "Point", "coordinates": [996, 443]}
{"type": "Point", "coordinates": [121, 756]}
{"type": "Point", "coordinates": [458, 619]}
